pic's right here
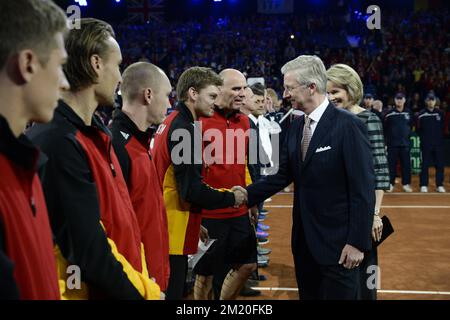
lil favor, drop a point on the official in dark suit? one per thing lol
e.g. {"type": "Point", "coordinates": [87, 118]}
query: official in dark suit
{"type": "Point", "coordinates": [328, 157]}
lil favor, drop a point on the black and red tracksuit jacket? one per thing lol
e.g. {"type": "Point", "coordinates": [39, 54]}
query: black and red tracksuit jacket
{"type": "Point", "coordinates": [177, 153]}
{"type": "Point", "coordinates": [90, 210]}
{"type": "Point", "coordinates": [27, 263]}
{"type": "Point", "coordinates": [132, 147]}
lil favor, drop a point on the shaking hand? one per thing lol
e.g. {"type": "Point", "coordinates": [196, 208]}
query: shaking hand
{"type": "Point", "coordinates": [240, 196]}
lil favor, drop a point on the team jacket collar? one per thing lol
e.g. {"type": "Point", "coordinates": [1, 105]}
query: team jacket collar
{"type": "Point", "coordinates": [184, 110]}
{"type": "Point", "coordinates": [67, 112]}
{"type": "Point", "coordinates": [226, 115]}
{"type": "Point", "coordinates": [124, 121]}
{"type": "Point", "coordinates": [19, 150]}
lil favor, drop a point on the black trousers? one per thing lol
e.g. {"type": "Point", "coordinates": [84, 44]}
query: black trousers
{"type": "Point", "coordinates": [433, 154]}
{"type": "Point", "coordinates": [321, 282]}
{"type": "Point", "coordinates": [403, 153]}
{"type": "Point", "coordinates": [177, 280]}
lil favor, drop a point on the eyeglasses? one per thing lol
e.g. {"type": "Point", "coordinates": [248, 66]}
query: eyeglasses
{"type": "Point", "coordinates": [291, 89]}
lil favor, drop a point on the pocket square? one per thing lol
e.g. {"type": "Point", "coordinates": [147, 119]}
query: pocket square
{"type": "Point", "coordinates": [322, 149]}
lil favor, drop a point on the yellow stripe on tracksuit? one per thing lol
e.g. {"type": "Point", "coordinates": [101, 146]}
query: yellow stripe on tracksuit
{"type": "Point", "coordinates": [178, 213]}
{"type": "Point", "coordinates": [148, 289]}
{"type": "Point", "coordinates": [248, 178]}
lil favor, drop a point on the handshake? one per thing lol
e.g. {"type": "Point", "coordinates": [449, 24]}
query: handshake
{"type": "Point", "coordinates": [240, 196]}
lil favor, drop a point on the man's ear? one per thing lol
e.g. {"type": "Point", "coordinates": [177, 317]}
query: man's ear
{"type": "Point", "coordinates": [28, 65]}
{"type": "Point", "coordinates": [148, 95]}
{"type": "Point", "coordinates": [96, 64]}
{"type": "Point", "coordinates": [312, 88]}
{"type": "Point", "coordinates": [192, 94]}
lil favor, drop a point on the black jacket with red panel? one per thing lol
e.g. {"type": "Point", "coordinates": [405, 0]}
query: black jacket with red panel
{"type": "Point", "coordinates": [26, 245]}
{"type": "Point", "coordinates": [132, 147]}
{"type": "Point", "coordinates": [177, 154]}
{"type": "Point", "coordinates": [90, 210]}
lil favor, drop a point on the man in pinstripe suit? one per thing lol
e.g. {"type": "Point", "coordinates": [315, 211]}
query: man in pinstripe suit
{"type": "Point", "coordinates": [327, 154]}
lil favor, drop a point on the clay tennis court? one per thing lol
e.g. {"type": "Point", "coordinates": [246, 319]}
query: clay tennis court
{"type": "Point", "coordinates": [414, 261]}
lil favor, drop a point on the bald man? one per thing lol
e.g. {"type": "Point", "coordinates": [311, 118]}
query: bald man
{"type": "Point", "coordinates": [234, 257]}
{"type": "Point", "coordinates": [145, 92]}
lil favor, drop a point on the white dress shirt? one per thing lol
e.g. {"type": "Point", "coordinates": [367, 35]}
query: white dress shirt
{"type": "Point", "coordinates": [317, 114]}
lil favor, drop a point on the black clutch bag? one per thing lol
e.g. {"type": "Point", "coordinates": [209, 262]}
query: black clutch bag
{"type": "Point", "coordinates": [387, 231]}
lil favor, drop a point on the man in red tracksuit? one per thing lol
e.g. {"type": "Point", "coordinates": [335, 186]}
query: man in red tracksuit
{"type": "Point", "coordinates": [145, 92]}
{"type": "Point", "coordinates": [92, 217]}
{"type": "Point", "coordinates": [31, 57]}
{"type": "Point", "coordinates": [236, 245]}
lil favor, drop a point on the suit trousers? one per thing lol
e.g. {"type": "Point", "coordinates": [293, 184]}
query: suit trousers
{"type": "Point", "coordinates": [324, 282]}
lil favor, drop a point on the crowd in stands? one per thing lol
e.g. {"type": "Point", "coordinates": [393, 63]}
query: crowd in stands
{"type": "Point", "coordinates": [410, 53]}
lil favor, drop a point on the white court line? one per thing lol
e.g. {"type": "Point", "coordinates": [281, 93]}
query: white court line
{"type": "Point", "coordinates": [395, 193]}
{"type": "Point", "coordinates": [418, 207]}
{"type": "Point", "coordinates": [397, 207]}
{"type": "Point", "coordinates": [379, 291]}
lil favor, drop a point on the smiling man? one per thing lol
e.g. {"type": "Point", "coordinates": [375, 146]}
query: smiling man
{"type": "Point", "coordinates": [327, 155]}
{"type": "Point", "coordinates": [234, 257]}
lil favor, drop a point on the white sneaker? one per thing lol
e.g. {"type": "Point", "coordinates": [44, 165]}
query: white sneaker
{"type": "Point", "coordinates": [440, 189]}
{"type": "Point", "coordinates": [423, 189]}
{"type": "Point", "coordinates": [391, 188]}
{"type": "Point", "coordinates": [407, 188]}
{"type": "Point", "coordinates": [268, 200]}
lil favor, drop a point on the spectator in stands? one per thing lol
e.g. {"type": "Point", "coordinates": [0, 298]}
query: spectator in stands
{"type": "Point", "coordinates": [430, 127]}
{"type": "Point", "coordinates": [377, 108]}
{"type": "Point", "coordinates": [397, 123]}
{"type": "Point", "coordinates": [368, 101]}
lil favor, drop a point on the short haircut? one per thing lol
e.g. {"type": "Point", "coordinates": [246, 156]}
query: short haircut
{"type": "Point", "coordinates": [81, 45]}
{"type": "Point", "coordinates": [273, 94]}
{"type": "Point", "coordinates": [346, 77]}
{"type": "Point", "coordinates": [29, 24]}
{"type": "Point", "coordinates": [308, 70]}
{"type": "Point", "coordinates": [197, 78]}
{"type": "Point", "coordinates": [137, 77]}
{"type": "Point", "coordinates": [378, 104]}
{"type": "Point", "coordinates": [258, 89]}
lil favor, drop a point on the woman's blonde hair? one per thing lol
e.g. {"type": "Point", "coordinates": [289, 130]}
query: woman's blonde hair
{"type": "Point", "coordinates": [347, 78]}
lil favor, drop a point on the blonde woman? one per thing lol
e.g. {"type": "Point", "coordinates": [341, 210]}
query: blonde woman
{"type": "Point", "coordinates": [345, 90]}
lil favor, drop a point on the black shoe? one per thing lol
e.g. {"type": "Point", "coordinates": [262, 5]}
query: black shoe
{"type": "Point", "coordinates": [260, 277]}
{"type": "Point", "coordinates": [249, 292]}
{"type": "Point", "coordinates": [252, 283]}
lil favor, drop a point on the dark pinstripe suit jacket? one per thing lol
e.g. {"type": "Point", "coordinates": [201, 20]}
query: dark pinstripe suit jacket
{"type": "Point", "coordinates": [334, 187]}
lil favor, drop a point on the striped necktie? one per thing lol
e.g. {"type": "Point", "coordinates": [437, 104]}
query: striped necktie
{"type": "Point", "coordinates": [307, 134]}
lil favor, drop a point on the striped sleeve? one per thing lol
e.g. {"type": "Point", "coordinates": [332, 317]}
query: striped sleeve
{"type": "Point", "coordinates": [376, 137]}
